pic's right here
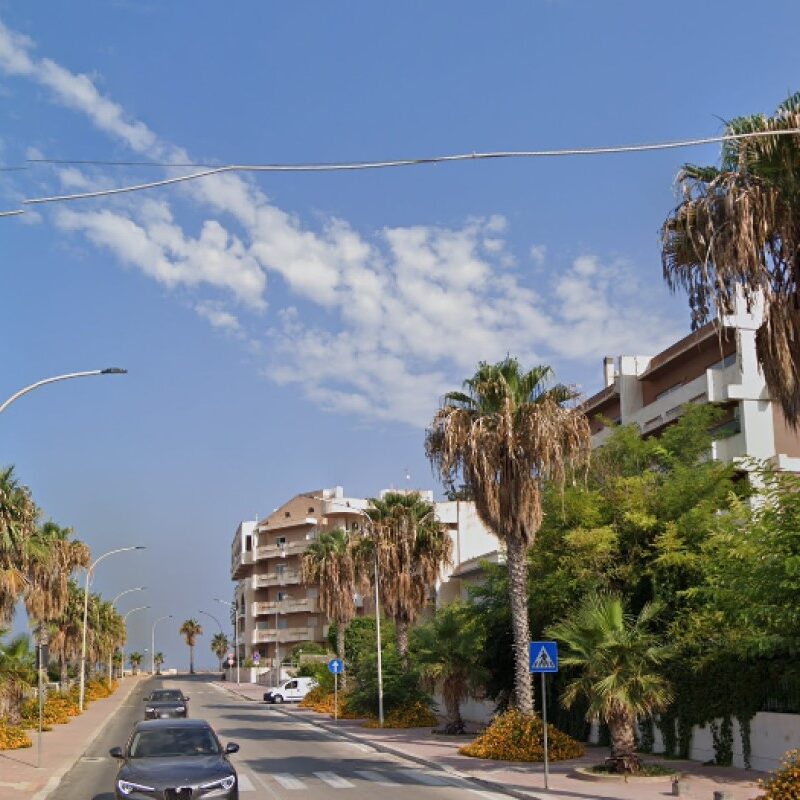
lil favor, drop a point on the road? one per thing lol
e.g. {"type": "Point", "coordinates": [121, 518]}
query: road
{"type": "Point", "coordinates": [281, 758]}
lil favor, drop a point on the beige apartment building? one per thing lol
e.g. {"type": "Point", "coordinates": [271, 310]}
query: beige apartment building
{"type": "Point", "coordinates": [715, 364]}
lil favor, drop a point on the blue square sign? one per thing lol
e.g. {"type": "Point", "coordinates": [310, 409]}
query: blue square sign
{"type": "Point", "coordinates": [543, 656]}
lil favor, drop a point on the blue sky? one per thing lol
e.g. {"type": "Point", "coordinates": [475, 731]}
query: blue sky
{"type": "Point", "coordinates": [288, 332]}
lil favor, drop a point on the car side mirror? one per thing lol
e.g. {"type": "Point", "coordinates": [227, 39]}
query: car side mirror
{"type": "Point", "coordinates": [231, 747]}
{"type": "Point", "coordinates": [187, 698]}
{"type": "Point", "coordinates": [116, 752]}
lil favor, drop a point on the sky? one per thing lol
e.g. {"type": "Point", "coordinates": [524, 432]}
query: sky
{"type": "Point", "coordinates": [285, 332]}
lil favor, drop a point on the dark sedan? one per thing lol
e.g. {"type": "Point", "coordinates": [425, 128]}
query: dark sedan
{"type": "Point", "coordinates": [166, 704]}
{"type": "Point", "coordinates": [175, 760]}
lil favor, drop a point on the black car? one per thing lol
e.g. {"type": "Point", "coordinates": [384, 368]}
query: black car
{"type": "Point", "coordinates": [166, 703]}
{"type": "Point", "coordinates": [175, 759]}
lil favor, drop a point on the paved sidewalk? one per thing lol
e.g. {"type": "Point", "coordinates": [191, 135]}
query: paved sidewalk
{"type": "Point", "coordinates": [61, 748]}
{"type": "Point", "coordinates": [527, 780]}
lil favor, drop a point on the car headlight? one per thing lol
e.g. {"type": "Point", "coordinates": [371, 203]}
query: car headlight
{"type": "Point", "coordinates": [222, 784]}
{"type": "Point", "coordinates": [126, 787]}
{"type": "Point", "coordinates": [180, 708]}
{"type": "Point", "coordinates": [149, 710]}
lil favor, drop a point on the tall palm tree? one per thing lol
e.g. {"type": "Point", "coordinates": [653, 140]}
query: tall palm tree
{"type": "Point", "coordinates": [738, 229]}
{"type": "Point", "coordinates": [190, 630]}
{"type": "Point", "coordinates": [618, 659]}
{"type": "Point", "coordinates": [18, 514]}
{"type": "Point", "coordinates": [65, 631]}
{"type": "Point", "coordinates": [329, 562]}
{"type": "Point", "coordinates": [502, 437]}
{"type": "Point", "coordinates": [136, 659]}
{"type": "Point", "coordinates": [412, 547]}
{"type": "Point", "coordinates": [16, 675]}
{"type": "Point", "coordinates": [448, 651]}
{"type": "Point", "coordinates": [219, 647]}
{"type": "Point", "coordinates": [158, 660]}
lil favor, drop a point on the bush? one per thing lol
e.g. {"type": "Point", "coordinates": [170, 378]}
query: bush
{"type": "Point", "coordinates": [324, 703]}
{"type": "Point", "coordinates": [784, 784]}
{"type": "Point", "coordinates": [13, 737]}
{"type": "Point", "coordinates": [314, 697]}
{"type": "Point", "coordinates": [414, 715]}
{"type": "Point", "coordinates": [319, 672]}
{"type": "Point", "coordinates": [58, 709]}
{"type": "Point", "coordinates": [513, 736]}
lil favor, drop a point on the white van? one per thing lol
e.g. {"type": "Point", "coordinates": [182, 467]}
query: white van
{"type": "Point", "coordinates": [291, 691]}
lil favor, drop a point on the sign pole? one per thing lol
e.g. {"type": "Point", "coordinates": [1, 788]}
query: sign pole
{"type": "Point", "coordinates": [41, 708]}
{"type": "Point", "coordinates": [544, 728]}
{"type": "Point", "coordinates": [335, 696]}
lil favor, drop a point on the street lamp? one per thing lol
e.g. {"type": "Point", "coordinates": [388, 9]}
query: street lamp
{"type": "Point", "coordinates": [235, 632]}
{"type": "Point", "coordinates": [111, 655]}
{"type": "Point", "coordinates": [125, 622]}
{"type": "Point", "coordinates": [220, 630]}
{"type": "Point", "coordinates": [89, 373]}
{"type": "Point", "coordinates": [86, 613]}
{"type": "Point", "coordinates": [153, 643]}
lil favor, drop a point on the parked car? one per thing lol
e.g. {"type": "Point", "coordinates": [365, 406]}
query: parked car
{"type": "Point", "coordinates": [166, 704]}
{"type": "Point", "coordinates": [291, 691]}
{"type": "Point", "coordinates": [175, 758]}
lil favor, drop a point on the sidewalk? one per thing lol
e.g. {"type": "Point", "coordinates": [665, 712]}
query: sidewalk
{"type": "Point", "coordinates": [527, 780]}
{"type": "Point", "coordinates": [62, 747]}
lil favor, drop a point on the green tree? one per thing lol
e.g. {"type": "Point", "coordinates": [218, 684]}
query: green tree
{"type": "Point", "coordinates": [16, 675]}
{"type": "Point", "coordinates": [219, 647]}
{"type": "Point", "coordinates": [448, 652]}
{"type": "Point", "coordinates": [738, 229]}
{"type": "Point", "coordinates": [190, 630]}
{"type": "Point", "coordinates": [619, 661]}
{"type": "Point", "coordinates": [135, 659]}
{"type": "Point", "coordinates": [504, 436]}
{"type": "Point", "coordinates": [158, 660]}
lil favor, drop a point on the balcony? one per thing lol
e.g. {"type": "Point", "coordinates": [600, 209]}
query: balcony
{"type": "Point", "coordinates": [285, 578]}
{"type": "Point", "coordinates": [668, 407]}
{"type": "Point", "coordinates": [286, 606]}
{"type": "Point", "coordinates": [287, 635]}
{"type": "Point", "coordinates": [240, 563]}
{"type": "Point", "coordinates": [281, 551]}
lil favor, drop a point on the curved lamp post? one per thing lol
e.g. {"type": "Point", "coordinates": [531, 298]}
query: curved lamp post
{"type": "Point", "coordinates": [113, 602]}
{"type": "Point", "coordinates": [235, 632]}
{"type": "Point", "coordinates": [153, 643]}
{"type": "Point", "coordinates": [86, 614]}
{"type": "Point", "coordinates": [220, 629]}
{"type": "Point", "coordinates": [55, 378]}
{"type": "Point", "coordinates": [125, 622]}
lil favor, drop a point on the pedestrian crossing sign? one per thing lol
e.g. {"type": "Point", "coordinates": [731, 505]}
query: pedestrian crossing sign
{"type": "Point", "coordinates": [543, 657]}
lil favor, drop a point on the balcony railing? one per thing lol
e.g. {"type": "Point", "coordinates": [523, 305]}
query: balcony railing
{"type": "Point", "coordinates": [285, 578]}
{"type": "Point", "coordinates": [285, 606]}
{"type": "Point", "coordinates": [281, 551]}
{"type": "Point", "coordinates": [287, 635]}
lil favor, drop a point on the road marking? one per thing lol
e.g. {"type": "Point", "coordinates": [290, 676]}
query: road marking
{"type": "Point", "coordinates": [364, 748]}
{"type": "Point", "coordinates": [332, 779]}
{"type": "Point", "coordinates": [376, 777]}
{"type": "Point", "coordinates": [489, 795]}
{"type": "Point", "coordinates": [287, 781]}
{"type": "Point", "coordinates": [93, 759]}
{"type": "Point", "coordinates": [245, 784]}
{"type": "Point", "coordinates": [424, 777]}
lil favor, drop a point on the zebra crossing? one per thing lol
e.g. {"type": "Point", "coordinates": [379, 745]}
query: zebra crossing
{"type": "Point", "coordinates": [390, 779]}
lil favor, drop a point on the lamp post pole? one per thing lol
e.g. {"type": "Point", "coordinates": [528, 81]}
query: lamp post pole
{"type": "Point", "coordinates": [125, 622]}
{"type": "Point", "coordinates": [153, 643]}
{"type": "Point", "coordinates": [55, 378]}
{"type": "Point", "coordinates": [235, 633]}
{"type": "Point", "coordinates": [86, 615]}
{"type": "Point", "coordinates": [220, 630]}
{"type": "Point", "coordinates": [113, 602]}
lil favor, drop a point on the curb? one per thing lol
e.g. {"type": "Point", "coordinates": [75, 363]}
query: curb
{"type": "Point", "coordinates": [55, 779]}
{"type": "Point", "coordinates": [480, 783]}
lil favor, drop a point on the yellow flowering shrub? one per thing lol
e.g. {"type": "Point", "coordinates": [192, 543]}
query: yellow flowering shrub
{"type": "Point", "coordinates": [784, 784]}
{"type": "Point", "coordinates": [414, 715]}
{"type": "Point", "coordinates": [513, 736]}
{"type": "Point", "coordinates": [57, 710]}
{"type": "Point", "coordinates": [97, 690]}
{"type": "Point", "coordinates": [314, 697]}
{"type": "Point", "coordinates": [13, 737]}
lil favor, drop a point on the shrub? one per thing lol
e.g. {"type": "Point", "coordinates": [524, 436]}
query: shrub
{"type": "Point", "coordinates": [513, 736]}
{"type": "Point", "coordinates": [57, 710]}
{"type": "Point", "coordinates": [324, 704]}
{"type": "Point", "coordinates": [414, 715]}
{"type": "Point", "coordinates": [13, 737]}
{"type": "Point", "coordinates": [319, 672]}
{"type": "Point", "coordinates": [314, 697]}
{"type": "Point", "coordinates": [784, 784]}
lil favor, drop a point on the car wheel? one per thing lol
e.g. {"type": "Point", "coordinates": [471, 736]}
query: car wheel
{"type": "Point", "coordinates": [277, 699]}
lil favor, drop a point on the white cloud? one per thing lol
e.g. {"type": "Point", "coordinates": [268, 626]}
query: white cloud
{"type": "Point", "coordinates": [538, 253]}
{"type": "Point", "coordinates": [218, 317]}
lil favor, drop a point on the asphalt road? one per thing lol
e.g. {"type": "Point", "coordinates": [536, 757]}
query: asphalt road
{"type": "Point", "coordinates": [281, 758]}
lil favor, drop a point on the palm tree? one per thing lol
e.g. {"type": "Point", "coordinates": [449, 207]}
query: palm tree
{"type": "Point", "coordinates": [16, 675]}
{"type": "Point", "coordinates": [219, 647]}
{"type": "Point", "coordinates": [448, 651]}
{"type": "Point", "coordinates": [65, 631]}
{"type": "Point", "coordinates": [412, 547]}
{"type": "Point", "coordinates": [329, 562]}
{"type": "Point", "coordinates": [618, 659]}
{"type": "Point", "coordinates": [502, 438]}
{"type": "Point", "coordinates": [738, 229]}
{"type": "Point", "coordinates": [190, 630]}
{"type": "Point", "coordinates": [158, 660]}
{"type": "Point", "coordinates": [136, 659]}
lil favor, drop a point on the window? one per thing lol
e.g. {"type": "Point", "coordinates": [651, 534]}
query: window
{"type": "Point", "coordinates": [248, 544]}
{"type": "Point", "coordinates": [311, 535]}
{"type": "Point", "coordinates": [311, 509]}
{"type": "Point", "coordinates": [283, 596]}
{"type": "Point", "coordinates": [313, 593]}
{"type": "Point", "coordinates": [282, 624]}
{"type": "Point", "coordinates": [312, 622]}
{"type": "Point", "coordinates": [287, 514]}
{"type": "Point", "coordinates": [291, 685]}
{"type": "Point", "coordinates": [281, 541]}
{"type": "Point", "coordinates": [280, 569]}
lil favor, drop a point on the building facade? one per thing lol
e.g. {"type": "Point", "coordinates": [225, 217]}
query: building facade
{"type": "Point", "coordinates": [715, 364]}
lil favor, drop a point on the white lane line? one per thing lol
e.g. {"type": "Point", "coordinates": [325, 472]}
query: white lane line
{"type": "Point", "coordinates": [420, 776]}
{"type": "Point", "coordinates": [245, 784]}
{"type": "Point", "coordinates": [376, 777]}
{"type": "Point", "coordinates": [364, 748]}
{"type": "Point", "coordinates": [332, 779]}
{"type": "Point", "coordinates": [287, 781]}
{"type": "Point", "coordinates": [266, 786]}
{"type": "Point", "coordinates": [489, 795]}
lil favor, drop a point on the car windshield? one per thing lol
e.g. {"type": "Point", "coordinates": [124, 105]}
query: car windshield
{"type": "Point", "coordinates": [166, 694]}
{"type": "Point", "coordinates": [166, 742]}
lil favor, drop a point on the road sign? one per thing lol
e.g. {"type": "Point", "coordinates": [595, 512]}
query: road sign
{"type": "Point", "coordinates": [543, 657]}
{"type": "Point", "coordinates": [336, 666]}
{"type": "Point", "coordinates": [256, 657]}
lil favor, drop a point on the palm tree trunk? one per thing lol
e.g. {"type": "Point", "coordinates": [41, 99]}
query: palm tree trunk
{"type": "Point", "coordinates": [64, 673]}
{"type": "Point", "coordinates": [191, 659]}
{"type": "Point", "coordinates": [340, 633]}
{"type": "Point", "coordinates": [621, 727]}
{"type": "Point", "coordinates": [517, 555]}
{"type": "Point", "coordinates": [401, 631]}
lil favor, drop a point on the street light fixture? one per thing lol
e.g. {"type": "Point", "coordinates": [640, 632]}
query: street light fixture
{"type": "Point", "coordinates": [86, 614]}
{"type": "Point", "coordinates": [235, 632]}
{"type": "Point", "coordinates": [113, 602]}
{"type": "Point", "coordinates": [153, 643]}
{"type": "Point", "coordinates": [220, 628]}
{"type": "Point", "coordinates": [125, 622]}
{"type": "Point", "coordinates": [55, 378]}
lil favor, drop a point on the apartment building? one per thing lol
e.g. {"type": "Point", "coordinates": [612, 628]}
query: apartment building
{"type": "Point", "coordinates": [715, 364]}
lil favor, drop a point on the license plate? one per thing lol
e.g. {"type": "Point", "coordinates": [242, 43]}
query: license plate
{"type": "Point", "coordinates": [164, 716]}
